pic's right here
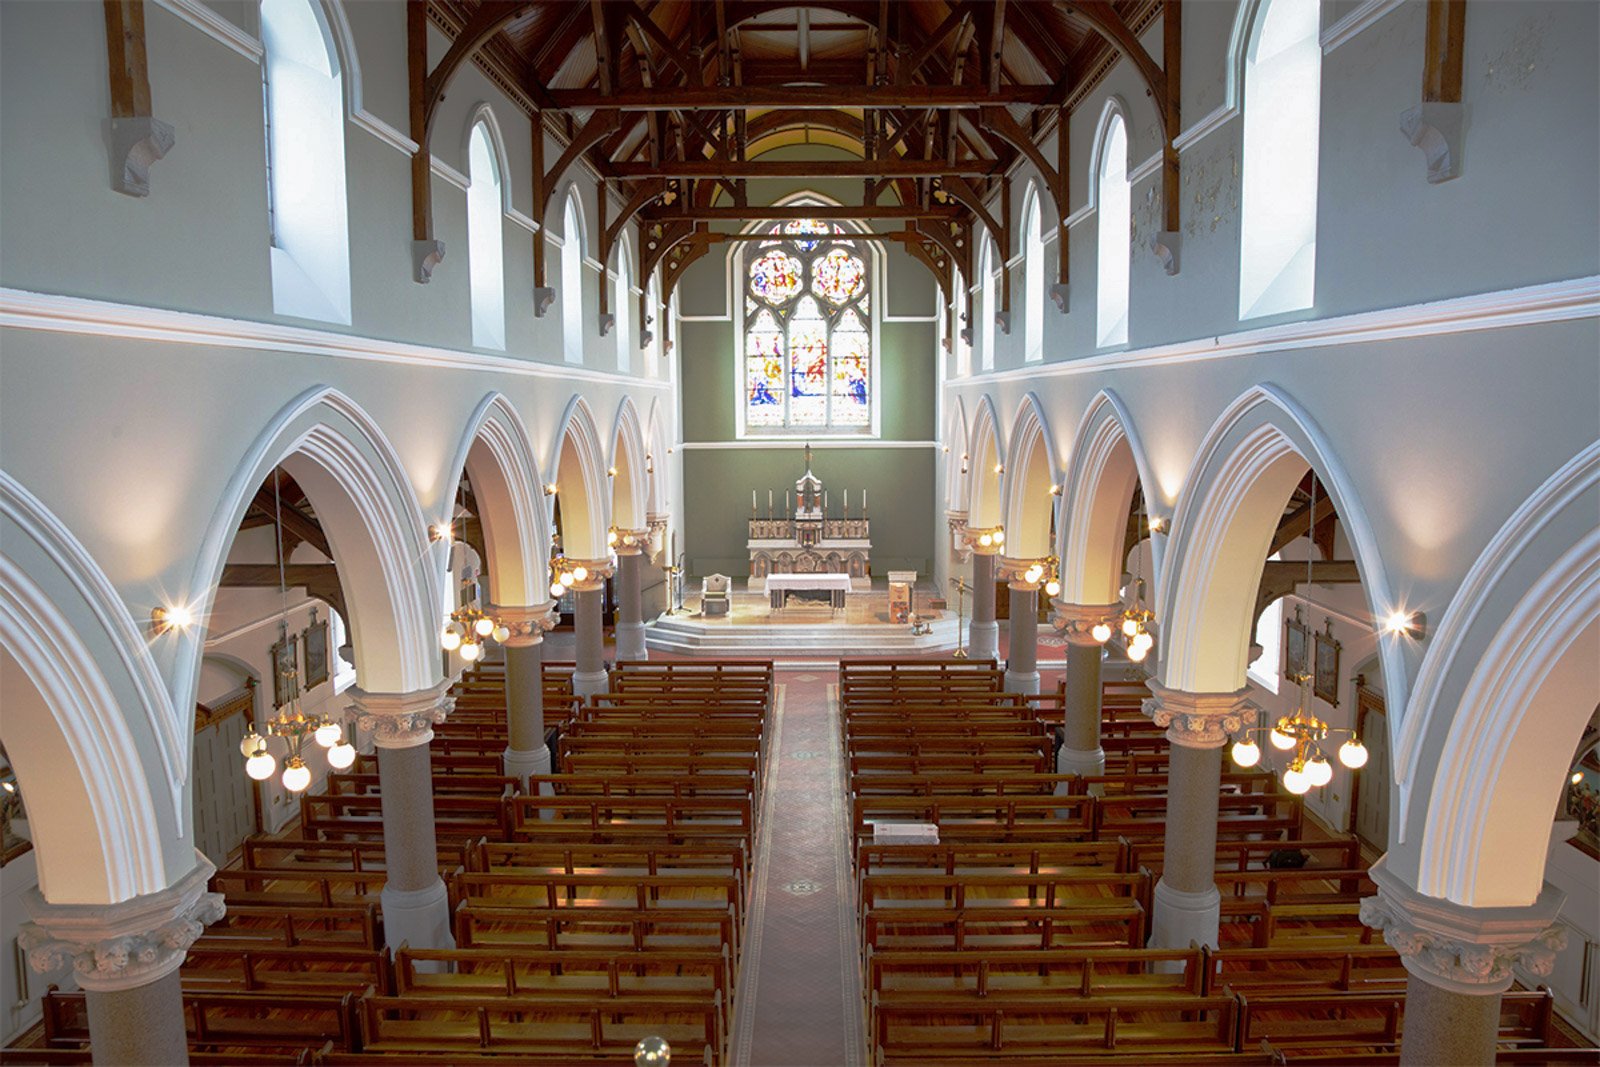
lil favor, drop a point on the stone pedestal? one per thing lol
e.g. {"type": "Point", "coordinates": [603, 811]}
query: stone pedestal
{"type": "Point", "coordinates": [1022, 657]}
{"type": "Point", "coordinates": [983, 637]}
{"type": "Point", "coordinates": [415, 905]}
{"type": "Point", "coordinates": [126, 957]}
{"type": "Point", "coordinates": [630, 599]}
{"type": "Point", "coordinates": [1080, 743]}
{"type": "Point", "coordinates": [526, 752]}
{"type": "Point", "coordinates": [1459, 960]}
{"type": "Point", "coordinates": [590, 675]}
{"type": "Point", "coordinates": [1187, 904]}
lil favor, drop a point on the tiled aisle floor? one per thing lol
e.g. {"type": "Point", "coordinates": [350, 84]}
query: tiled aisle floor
{"type": "Point", "coordinates": [799, 999]}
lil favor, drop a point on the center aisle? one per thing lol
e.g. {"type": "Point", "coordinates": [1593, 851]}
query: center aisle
{"type": "Point", "coordinates": [800, 991]}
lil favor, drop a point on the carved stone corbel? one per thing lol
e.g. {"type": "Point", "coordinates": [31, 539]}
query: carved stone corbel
{"type": "Point", "coordinates": [136, 143]}
{"type": "Point", "coordinates": [1166, 245]}
{"type": "Point", "coordinates": [1002, 319]}
{"type": "Point", "coordinates": [543, 297]}
{"type": "Point", "coordinates": [1435, 127]}
{"type": "Point", "coordinates": [607, 322]}
{"type": "Point", "coordinates": [1060, 293]}
{"type": "Point", "coordinates": [426, 255]}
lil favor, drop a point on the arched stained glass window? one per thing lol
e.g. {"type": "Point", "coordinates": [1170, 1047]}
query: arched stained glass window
{"type": "Point", "coordinates": [807, 331]}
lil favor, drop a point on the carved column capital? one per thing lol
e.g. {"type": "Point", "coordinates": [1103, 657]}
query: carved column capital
{"type": "Point", "coordinates": [402, 720]}
{"type": "Point", "coordinates": [632, 542]}
{"type": "Point", "coordinates": [1075, 621]}
{"type": "Point", "coordinates": [1013, 571]}
{"type": "Point", "coordinates": [528, 624]}
{"type": "Point", "coordinates": [599, 570]}
{"type": "Point", "coordinates": [1199, 720]}
{"type": "Point", "coordinates": [1461, 949]}
{"type": "Point", "coordinates": [972, 537]}
{"type": "Point", "coordinates": [113, 947]}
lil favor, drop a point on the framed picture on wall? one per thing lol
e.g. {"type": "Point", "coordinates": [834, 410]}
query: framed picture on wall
{"type": "Point", "coordinates": [315, 655]}
{"type": "Point", "coordinates": [1296, 648]}
{"type": "Point", "coordinates": [285, 680]}
{"type": "Point", "coordinates": [1326, 683]}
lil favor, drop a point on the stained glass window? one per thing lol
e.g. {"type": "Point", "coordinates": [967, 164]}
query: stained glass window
{"type": "Point", "coordinates": [808, 331]}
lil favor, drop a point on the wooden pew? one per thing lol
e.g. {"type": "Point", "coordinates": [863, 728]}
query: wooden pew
{"type": "Point", "coordinates": [1053, 973]}
{"type": "Point", "coordinates": [279, 1020]}
{"type": "Point", "coordinates": [590, 929]}
{"type": "Point", "coordinates": [1014, 889]}
{"type": "Point", "coordinates": [1371, 1020]}
{"type": "Point", "coordinates": [1342, 969]}
{"type": "Point", "coordinates": [730, 858]}
{"type": "Point", "coordinates": [455, 817]}
{"type": "Point", "coordinates": [210, 967]}
{"type": "Point", "coordinates": [248, 926]}
{"type": "Point", "coordinates": [260, 851]}
{"type": "Point", "coordinates": [981, 857]}
{"type": "Point", "coordinates": [1111, 923]}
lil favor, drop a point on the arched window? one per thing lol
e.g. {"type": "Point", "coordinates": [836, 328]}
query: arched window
{"type": "Point", "coordinates": [1114, 203]}
{"type": "Point", "coordinates": [1033, 276]}
{"type": "Point", "coordinates": [959, 326]}
{"type": "Point", "coordinates": [303, 99]}
{"type": "Point", "coordinates": [986, 270]}
{"type": "Point", "coordinates": [808, 351]}
{"type": "Point", "coordinates": [572, 280]}
{"type": "Point", "coordinates": [624, 305]}
{"type": "Point", "coordinates": [485, 240]}
{"type": "Point", "coordinates": [1282, 109]}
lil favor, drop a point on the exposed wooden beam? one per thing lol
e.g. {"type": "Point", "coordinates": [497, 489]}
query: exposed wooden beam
{"type": "Point", "coordinates": [1281, 577]}
{"type": "Point", "coordinates": [138, 138]}
{"type": "Point", "coordinates": [1445, 40]}
{"type": "Point", "coordinates": [894, 167]}
{"type": "Point", "coordinates": [726, 98]}
{"type": "Point", "coordinates": [295, 521]}
{"type": "Point", "coordinates": [997, 43]}
{"type": "Point", "coordinates": [320, 580]}
{"type": "Point", "coordinates": [828, 212]}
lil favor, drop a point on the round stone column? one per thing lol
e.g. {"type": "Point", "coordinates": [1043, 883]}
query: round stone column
{"type": "Point", "coordinates": [630, 596]}
{"type": "Point", "coordinates": [526, 752]}
{"type": "Point", "coordinates": [1022, 656]}
{"type": "Point", "coordinates": [1080, 741]}
{"type": "Point", "coordinates": [983, 636]}
{"type": "Point", "coordinates": [591, 677]}
{"type": "Point", "coordinates": [1188, 906]}
{"type": "Point", "coordinates": [125, 957]}
{"type": "Point", "coordinates": [1459, 960]}
{"type": "Point", "coordinates": [415, 905]}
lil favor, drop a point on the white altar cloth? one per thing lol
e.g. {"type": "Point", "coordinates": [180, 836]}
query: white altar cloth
{"type": "Point", "coordinates": [836, 586]}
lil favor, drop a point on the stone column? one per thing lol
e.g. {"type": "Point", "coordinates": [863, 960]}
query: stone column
{"type": "Point", "coordinates": [125, 957]}
{"type": "Point", "coordinates": [526, 752]}
{"type": "Point", "coordinates": [983, 637]}
{"type": "Point", "coordinates": [590, 677]}
{"type": "Point", "coordinates": [1459, 960]}
{"type": "Point", "coordinates": [1022, 658]}
{"type": "Point", "coordinates": [630, 598]}
{"type": "Point", "coordinates": [415, 905]}
{"type": "Point", "coordinates": [1080, 746]}
{"type": "Point", "coordinates": [1188, 906]}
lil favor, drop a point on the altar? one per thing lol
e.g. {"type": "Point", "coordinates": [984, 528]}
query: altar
{"type": "Point", "coordinates": [808, 538]}
{"type": "Point", "coordinates": [835, 585]}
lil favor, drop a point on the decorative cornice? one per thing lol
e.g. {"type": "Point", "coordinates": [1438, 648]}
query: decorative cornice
{"type": "Point", "coordinates": [402, 720]}
{"type": "Point", "coordinates": [632, 542]}
{"type": "Point", "coordinates": [1364, 15]}
{"type": "Point", "coordinates": [114, 947]}
{"type": "Point", "coordinates": [1075, 621]}
{"type": "Point", "coordinates": [1199, 720]}
{"type": "Point", "coordinates": [1461, 949]}
{"type": "Point", "coordinates": [528, 624]}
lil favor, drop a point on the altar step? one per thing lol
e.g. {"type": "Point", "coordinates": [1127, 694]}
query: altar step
{"type": "Point", "coordinates": [692, 634]}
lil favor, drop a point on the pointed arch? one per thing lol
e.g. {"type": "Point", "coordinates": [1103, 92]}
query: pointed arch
{"type": "Point", "coordinates": [958, 460]}
{"type": "Point", "coordinates": [497, 454]}
{"type": "Point", "coordinates": [578, 469]}
{"type": "Point", "coordinates": [1030, 483]}
{"type": "Point", "coordinates": [984, 500]}
{"type": "Point", "coordinates": [1033, 284]}
{"type": "Point", "coordinates": [1253, 456]}
{"type": "Point", "coordinates": [488, 195]}
{"type": "Point", "coordinates": [1112, 197]}
{"type": "Point", "coordinates": [657, 469]}
{"type": "Point", "coordinates": [483, 114]}
{"type": "Point", "coordinates": [99, 750]}
{"type": "Point", "coordinates": [987, 305]}
{"type": "Point", "coordinates": [368, 508]}
{"type": "Point", "coordinates": [573, 230]}
{"type": "Point", "coordinates": [624, 305]}
{"type": "Point", "coordinates": [1108, 464]}
{"type": "Point", "coordinates": [629, 486]}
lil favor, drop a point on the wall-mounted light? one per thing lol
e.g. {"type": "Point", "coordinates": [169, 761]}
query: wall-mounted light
{"type": "Point", "coordinates": [611, 472]}
{"type": "Point", "coordinates": [999, 468]}
{"type": "Point", "coordinates": [1055, 490]}
{"type": "Point", "coordinates": [1157, 524]}
{"type": "Point", "coordinates": [1412, 624]}
{"type": "Point", "coordinates": [171, 617]}
{"type": "Point", "coordinates": [550, 489]}
{"type": "Point", "coordinates": [442, 531]}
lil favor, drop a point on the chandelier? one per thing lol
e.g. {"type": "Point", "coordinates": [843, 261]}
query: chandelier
{"type": "Point", "coordinates": [291, 722]}
{"type": "Point", "coordinates": [1037, 572]}
{"type": "Point", "coordinates": [1137, 619]}
{"type": "Point", "coordinates": [469, 627]}
{"type": "Point", "coordinates": [1302, 732]}
{"type": "Point", "coordinates": [565, 574]}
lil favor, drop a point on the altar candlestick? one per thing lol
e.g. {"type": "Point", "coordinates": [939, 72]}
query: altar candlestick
{"type": "Point", "coordinates": [863, 503]}
{"type": "Point", "coordinates": [824, 503]}
{"type": "Point", "coordinates": [847, 503]}
{"type": "Point", "coordinates": [769, 503]}
{"type": "Point", "coordinates": [786, 502]}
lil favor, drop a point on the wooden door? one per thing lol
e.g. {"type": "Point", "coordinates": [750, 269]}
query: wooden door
{"type": "Point", "coordinates": [224, 807]}
{"type": "Point", "coordinates": [1370, 805]}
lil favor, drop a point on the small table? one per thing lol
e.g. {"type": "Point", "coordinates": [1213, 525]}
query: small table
{"type": "Point", "coordinates": [836, 585]}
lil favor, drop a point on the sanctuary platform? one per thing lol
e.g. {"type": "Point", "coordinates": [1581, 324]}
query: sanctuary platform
{"type": "Point", "coordinates": [803, 629]}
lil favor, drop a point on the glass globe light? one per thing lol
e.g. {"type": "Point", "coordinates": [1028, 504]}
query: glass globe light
{"type": "Point", "coordinates": [450, 640]}
{"type": "Point", "coordinates": [1143, 638]}
{"type": "Point", "coordinates": [1246, 753]}
{"type": "Point", "coordinates": [652, 1052]}
{"type": "Point", "coordinates": [611, 537]}
{"type": "Point", "coordinates": [470, 651]}
{"type": "Point", "coordinates": [328, 734]}
{"type": "Point", "coordinates": [985, 540]}
{"type": "Point", "coordinates": [484, 626]}
{"type": "Point", "coordinates": [556, 589]}
{"type": "Point", "coordinates": [252, 741]}
{"type": "Point", "coordinates": [501, 634]}
{"type": "Point", "coordinates": [1296, 782]}
{"type": "Point", "coordinates": [1319, 772]}
{"type": "Point", "coordinates": [1052, 588]}
{"type": "Point", "coordinates": [1130, 626]}
{"type": "Point", "coordinates": [999, 537]}
{"type": "Point", "coordinates": [260, 765]}
{"type": "Point", "coordinates": [580, 574]}
{"type": "Point", "coordinates": [567, 579]}
{"type": "Point", "coordinates": [1353, 754]}
{"type": "Point", "coordinates": [296, 776]}
{"type": "Point", "coordinates": [1280, 740]}
{"type": "Point", "coordinates": [1137, 652]}
{"type": "Point", "coordinates": [341, 756]}
{"type": "Point", "coordinates": [1101, 632]}
{"type": "Point", "coordinates": [1033, 574]}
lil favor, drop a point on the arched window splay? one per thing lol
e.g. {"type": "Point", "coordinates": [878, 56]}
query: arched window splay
{"type": "Point", "coordinates": [808, 345]}
{"type": "Point", "coordinates": [1033, 277]}
{"type": "Point", "coordinates": [1282, 109]}
{"type": "Point", "coordinates": [624, 312]}
{"type": "Point", "coordinates": [1114, 205]}
{"type": "Point", "coordinates": [959, 326]}
{"type": "Point", "coordinates": [303, 102]}
{"type": "Point", "coordinates": [485, 240]}
{"type": "Point", "coordinates": [652, 355]}
{"type": "Point", "coordinates": [572, 280]}
{"type": "Point", "coordinates": [986, 305]}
